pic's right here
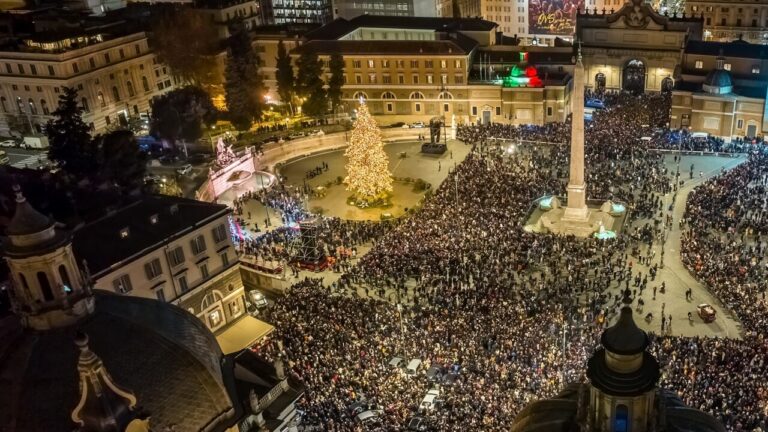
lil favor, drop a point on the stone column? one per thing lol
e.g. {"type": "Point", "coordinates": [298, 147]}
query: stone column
{"type": "Point", "coordinates": [577, 207]}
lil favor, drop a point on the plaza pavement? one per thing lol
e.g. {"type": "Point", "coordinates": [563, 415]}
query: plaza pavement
{"type": "Point", "coordinates": [435, 170]}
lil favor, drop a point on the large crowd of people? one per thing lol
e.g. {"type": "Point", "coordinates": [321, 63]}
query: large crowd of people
{"type": "Point", "coordinates": [461, 285]}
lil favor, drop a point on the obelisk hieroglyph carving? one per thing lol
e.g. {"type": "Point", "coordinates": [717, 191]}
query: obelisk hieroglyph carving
{"type": "Point", "coordinates": [576, 208]}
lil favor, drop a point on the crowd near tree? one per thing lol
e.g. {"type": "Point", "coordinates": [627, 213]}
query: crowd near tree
{"type": "Point", "coordinates": [512, 316]}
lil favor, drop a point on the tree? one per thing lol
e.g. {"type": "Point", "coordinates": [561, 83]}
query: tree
{"type": "Point", "coordinates": [121, 162]}
{"type": "Point", "coordinates": [186, 40]}
{"type": "Point", "coordinates": [71, 145]}
{"type": "Point", "coordinates": [181, 113]}
{"type": "Point", "coordinates": [336, 65]}
{"type": "Point", "coordinates": [367, 164]}
{"type": "Point", "coordinates": [243, 87]}
{"type": "Point", "coordinates": [284, 74]}
{"type": "Point", "coordinates": [310, 85]}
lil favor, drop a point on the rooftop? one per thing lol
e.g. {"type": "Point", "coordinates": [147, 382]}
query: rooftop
{"type": "Point", "coordinates": [737, 48]}
{"type": "Point", "coordinates": [147, 223]}
{"type": "Point", "coordinates": [459, 46]}
{"type": "Point", "coordinates": [340, 26]}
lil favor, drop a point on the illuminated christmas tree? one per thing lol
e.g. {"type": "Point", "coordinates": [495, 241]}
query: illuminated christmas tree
{"type": "Point", "coordinates": [367, 165]}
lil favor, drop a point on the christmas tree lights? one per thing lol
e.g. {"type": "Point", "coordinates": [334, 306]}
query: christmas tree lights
{"type": "Point", "coordinates": [367, 164]}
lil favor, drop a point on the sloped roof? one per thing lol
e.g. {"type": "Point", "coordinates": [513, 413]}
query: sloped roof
{"type": "Point", "coordinates": [383, 47]}
{"type": "Point", "coordinates": [100, 243]}
{"type": "Point", "coordinates": [738, 48]}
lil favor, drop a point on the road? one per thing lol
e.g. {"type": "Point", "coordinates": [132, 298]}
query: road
{"type": "Point", "coordinates": [25, 158]}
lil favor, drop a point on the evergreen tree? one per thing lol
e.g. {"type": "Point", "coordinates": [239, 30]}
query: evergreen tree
{"type": "Point", "coordinates": [243, 86]}
{"type": "Point", "coordinates": [336, 65]}
{"type": "Point", "coordinates": [284, 74]}
{"type": "Point", "coordinates": [71, 145]}
{"type": "Point", "coordinates": [310, 85]}
{"type": "Point", "coordinates": [367, 164]}
{"type": "Point", "coordinates": [181, 113]}
{"type": "Point", "coordinates": [121, 162]}
{"type": "Point", "coordinates": [187, 41]}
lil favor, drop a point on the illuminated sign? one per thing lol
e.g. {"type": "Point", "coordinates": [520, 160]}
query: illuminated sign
{"type": "Point", "coordinates": [553, 17]}
{"type": "Point", "coordinates": [528, 77]}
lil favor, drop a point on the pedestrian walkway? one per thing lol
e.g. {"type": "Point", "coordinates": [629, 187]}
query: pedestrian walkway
{"type": "Point", "coordinates": [32, 161]}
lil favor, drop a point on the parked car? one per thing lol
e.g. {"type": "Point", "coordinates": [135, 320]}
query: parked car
{"type": "Point", "coordinates": [398, 125]}
{"type": "Point", "coordinates": [417, 424]}
{"type": "Point", "coordinates": [4, 159]}
{"type": "Point", "coordinates": [397, 362]}
{"type": "Point", "coordinates": [185, 169]}
{"type": "Point", "coordinates": [152, 178]}
{"type": "Point", "coordinates": [368, 417]}
{"type": "Point", "coordinates": [418, 124]}
{"type": "Point", "coordinates": [258, 299]}
{"type": "Point", "coordinates": [435, 373]}
{"type": "Point", "coordinates": [430, 401]}
{"type": "Point", "coordinates": [413, 366]}
{"type": "Point", "coordinates": [706, 312]}
{"type": "Point", "coordinates": [8, 143]}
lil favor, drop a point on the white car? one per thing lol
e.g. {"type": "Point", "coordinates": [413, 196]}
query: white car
{"type": "Point", "coordinates": [8, 143]}
{"type": "Point", "coordinates": [428, 403]}
{"type": "Point", "coordinates": [258, 299]}
{"type": "Point", "coordinates": [417, 124]}
{"type": "Point", "coordinates": [185, 169]}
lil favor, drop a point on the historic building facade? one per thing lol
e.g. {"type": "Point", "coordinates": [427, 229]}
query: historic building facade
{"type": "Point", "coordinates": [728, 20]}
{"type": "Point", "coordinates": [634, 48]}
{"type": "Point", "coordinates": [116, 77]}
{"type": "Point", "coordinates": [414, 69]}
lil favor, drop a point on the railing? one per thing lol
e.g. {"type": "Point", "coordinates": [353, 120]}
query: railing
{"type": "Point", "coordinates": [273, 394]}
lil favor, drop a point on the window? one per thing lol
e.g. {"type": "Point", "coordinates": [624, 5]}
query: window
{"type": "Point", "coordinates": [33, 69]}
{"type": "Point", "coordinates": [107, 120]}
{"type": "Point", "coordinates": [160, 294]}
{"type": "Point", "coordinates": [219, 233]}
{"type": "Point", "coordinates": [444, 79]}
{"type": "Point", "coordinates": [8, 68]}
{"type": "Point", "coordinates": [429, 64]}
{"type": "Point", "coordinates": [372, 78]}
{"type": "Point", "coordinates": [176, 256]}
{"type": "Point", "coordinates": [115, 94]}
{"type": "Point", "coordinates": [214, 318]}
{"type": "Point", "coordinates": [401, 79]}
{"type": "Point", "coordinates": [39, 89]}
{"type": "Point", "coordinates": [92, 62]}
{"type": "Point", "coordinates": [400, 64]}
{"type": "Point", "coordinates": [122, 53]}
{"type": "Point", "coordinates": [415, 79]}
{"type": "Point", "coordinates": [129, 86]}
{"type": "Point", "coordinates": [727, 66]}
{"type": "Point", "coordinates": [430, 79]}
{"type": "Point", "coordinates": [371, 64]}
{"type": "Point", "coordinates": [386, 79]}
{"type": "Point", "coordinates": [699, 64]}
{"type": "Point", "coordinates": [388, 95]}
{"type": "Point", "coordinates": [123, 284]}
{"type": "Point", "coordinates": [695, 8]}
{"type": "Point", "coordinates": [549, 111]}
{"type": "Point", "coordinates": [458, 79]}
{"type": "Point", "coordinates": [358, 79]}
{"type": "Point", "coordinates": [64, 275]}
{"type": "Point", "coordinates": [198, 245]}
{"type": "Point", "coordinates": [457, 64]}
{"type": "Point", "coordinates": [153, 269]}
{"type": "Point", "coordinates": [224, 259]}
{"type": "Point", "coordinates": [84, 103]}
{"type": "Point", "coordinates": [75, 68]}
{"type": "Point", "coordinates": [51, 71]}
{"type": "Point", "coordinates": [414, 63]}
{"type": "Point", "coordinates": [356, 64]}
{"type": "Point", "coordinates": [137, 48]}
{"type": "Point", "coordinates": [4, 102]}
{"type": "Point", "coordinates": [100, 97]}
{"type": "Point", "coordinates": [443, 64]}
{"type": "Point", "coordinates": [360, 96]}
{"type": "Point", "coordinates": [204, 271]}
{"type": "Point", "coordinates": [32, 107]}
{"type": "Point", "coordinates": [446, 107]}
{"type": "Point", "coordinates": [45, 286]}
{"type": "Point", "coordinates": [183, 285]}
{"type": "Point", "coordinates": [498, 111]}
{"type": "Point", "coordinates": [106, 57]}
{"type": "Point", "coordinates": [739, 123]}
{"type": "Point", "coordinates": [755, 69]}
{"type": "Point", "coordinates": [385, 63]}
{"type": "Point", "coordinates": [417, 107]}
{"type": "Point", "coordinates": [474, 110]}
{"type": "Point", "coordinates": [145, 83]}
{"type": "Point", "coordinates": [44, 107]}
{"type": "Point", "coordinates": [417, 95]}
{"type": "Point", "coordinates": [390, 107]}
{"type": "Point", "coordinates": [21, 69]}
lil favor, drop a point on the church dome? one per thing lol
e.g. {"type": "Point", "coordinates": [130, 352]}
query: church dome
{"type": "Point", "coordinates": [30, 232]}
{"type": "Point", "coordinates": [161, 354]}
{"type": "Point", "coordinates": [718, 81]}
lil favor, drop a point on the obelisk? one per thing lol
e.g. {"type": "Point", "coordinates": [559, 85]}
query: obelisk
{"type": "Point", "coordinates": [576, 209]}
